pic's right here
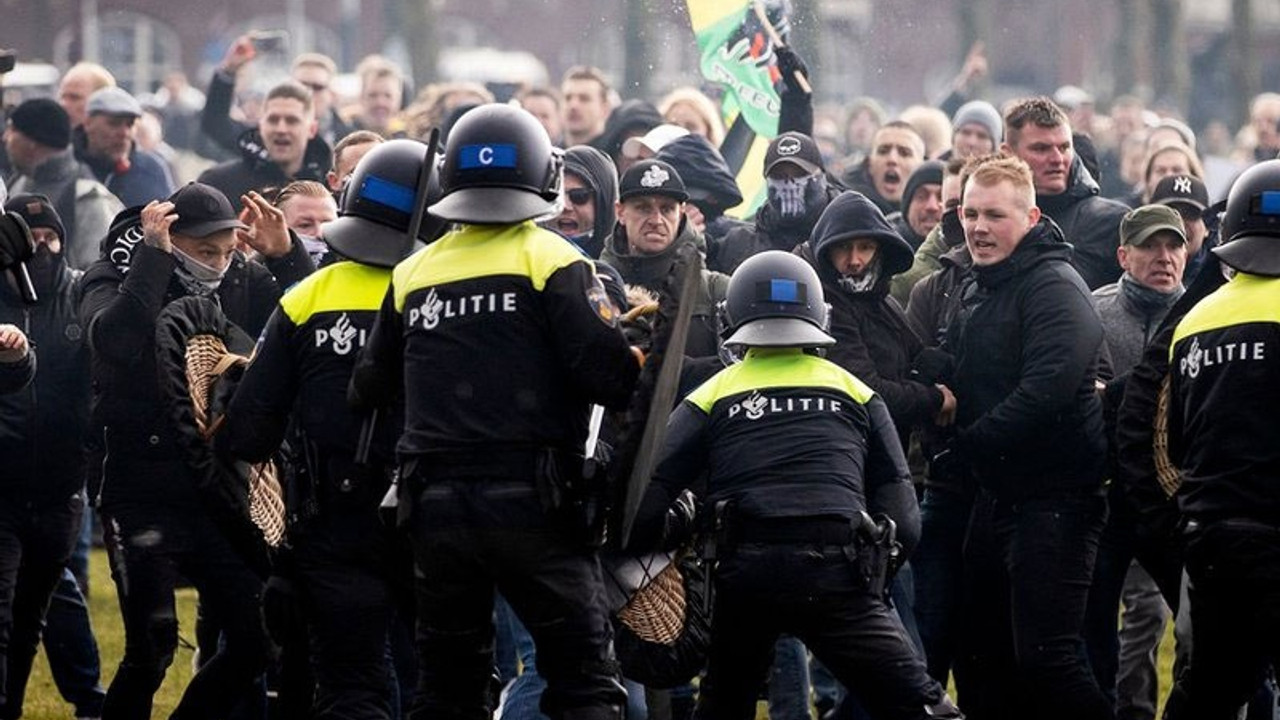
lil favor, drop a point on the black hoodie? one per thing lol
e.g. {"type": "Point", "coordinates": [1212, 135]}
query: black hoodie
{"type": "Point", "coordinates": [597, 171]}
{"type": "Point", "coordinates": [1090, 222]}
{"type": "Point", "coordinates": [631, 115]}
{"type": "Point", "coordinates": [711, 185]}
{"type": "Point", "coordinates": [873, 340]}
{"type": "Point", "coordinates": [1026, 342]}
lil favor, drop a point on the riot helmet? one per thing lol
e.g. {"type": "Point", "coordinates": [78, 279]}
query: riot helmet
{"type": "Point", "coordinates": [378, 203]}
{"type": "Point", "coordinates": [499, 168]}
{"type": "Point", "coordinates": [1251, 224]}
{"type": "Point", "coordinates": [775, 300]}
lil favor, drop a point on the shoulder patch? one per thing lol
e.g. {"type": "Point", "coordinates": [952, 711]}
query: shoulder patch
{"type": "Point", "coordinates": [599, 301]}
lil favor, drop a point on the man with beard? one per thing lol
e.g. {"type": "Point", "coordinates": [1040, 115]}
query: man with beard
{"type": "Point", "coordinates": [1039, 133]}
{"type": "Point", "coordinates": [586, 104]}
{"type": "Point", "coordinates": [284, 147]}
{"type": "Point", "coordinates": [799, 191]}
{"type": "Point", "coordinates": [896, 150]}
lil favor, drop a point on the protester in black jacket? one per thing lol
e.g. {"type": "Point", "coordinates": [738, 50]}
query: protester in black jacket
{"type": "Point", "coordinates": [43, 430]}
{"type": "Point", "coordinates": [1040, 133]}
{"type": "Point", "coordinates": [590, 192]}
{"type": "Point", "coordinates": [1029, 421]}
{"type": "Point", "coordinates": [283, 147]}
{"type": "Point", "coordinates": [157, 524]}
{"type": "Point", "coordinates": [799, 189]}
{"type": "Point", "coordinates": [712, 187]}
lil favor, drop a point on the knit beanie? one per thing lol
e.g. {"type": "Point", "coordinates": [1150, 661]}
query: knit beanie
{"type": "Point", "coordinates": [982, 113]}
{"type": "Point", "coordinates": [44, 121]}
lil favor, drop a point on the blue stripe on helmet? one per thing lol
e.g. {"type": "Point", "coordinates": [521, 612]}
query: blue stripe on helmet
{"type": "Point", "coordinates": [385, 192]}
{"type": "Point", "coordinates": [784, 291]}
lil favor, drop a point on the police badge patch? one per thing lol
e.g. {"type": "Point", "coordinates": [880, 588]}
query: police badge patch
{"type": "Point", "coordinates": [599, 301]}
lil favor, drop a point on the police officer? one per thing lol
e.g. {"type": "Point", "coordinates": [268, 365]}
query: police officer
{"type": "Point", "coordinates": [342, 559]}
{"type": "Point", "coordinates": [797, 453]}
{"type": "Point", "coordinates": [501, 335]}
{"type": "Point", "coordinates": [1224, 387]}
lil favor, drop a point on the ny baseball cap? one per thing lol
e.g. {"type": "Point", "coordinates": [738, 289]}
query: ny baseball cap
{"type": "Point", "coordinates": [202, 210]}
{"type": "Point", "coordinates": [1181, 190]}
{"type": "Point", "coordinates": [795, 148]}
{"type": "Point", "coordinates": [652, 177]}
{"type": "Point", "coordinates": [1140, 224]}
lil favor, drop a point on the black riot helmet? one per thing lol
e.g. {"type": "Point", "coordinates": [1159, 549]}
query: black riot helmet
{"type": "Point", "coordinates": [1251, 224]}
{"type": "Point", "coordinates": [378, 204]}
{"type": "Point", "coordinates": [775, 300]}
{"type": "Point", "coordinates": [499, 168]}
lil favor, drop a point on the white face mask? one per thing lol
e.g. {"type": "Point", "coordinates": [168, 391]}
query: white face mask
{"type": "Point", "coordinates": [192, 269]}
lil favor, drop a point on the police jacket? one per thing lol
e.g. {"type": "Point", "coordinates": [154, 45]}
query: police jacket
{"type": "Point", "coordinates": [784, 434]}
{"type": "Point", "coordinates": [1090, 222]}
{"type": "Point", "coordinates": [649, 272]}
{"type": "Point", "coordinates": [256, 171]}
{"type": "Point", "coordinates": [304, 362]}
{"type": "Point", "coordinates": [123, 295]}
{"type": "Point", "coordinates": [500, 336]}
{"type": "Point", "coordinates": [44, 426]}
{"type": "Point", "coordinates": [1026, 341]}
{"type": "Point", "coordinates": [1222, 398]}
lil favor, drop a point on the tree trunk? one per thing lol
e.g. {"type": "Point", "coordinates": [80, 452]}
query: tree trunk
{"type": "Point", "coordinates": [417, 20]}
{"type": "Point", "coordinates": [1244, 62]}
{"type": "Point", "coordinates": [637, 31]}
{"type": "Point", "coordinates": [1172, 71]}
{"type": "Point", "coordinates": [1124, 49]}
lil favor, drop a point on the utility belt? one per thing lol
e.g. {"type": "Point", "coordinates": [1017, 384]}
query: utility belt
{"type": "Point", "coordinates": [324, 480]}
{"type": "Point", "coordinates": [869, 544]}
{"type": "Point", "coordinates": [571, 489]}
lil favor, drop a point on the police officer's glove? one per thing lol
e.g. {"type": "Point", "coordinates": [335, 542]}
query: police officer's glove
{"type": "Point", "coordinates": [281, 608]}
{"type": "Point", "coordinates": [677, 526]}
{"type": "Point", "coordinates": [790, 63]}
{"type": "Point", "coordinates": [949, 466]}
{"type": "Point", "coordinates": [16, 245]}
{"type": "Point", "coordinates": [638, 326]}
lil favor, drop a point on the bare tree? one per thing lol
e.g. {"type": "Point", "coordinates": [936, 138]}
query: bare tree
{"type": "Point", "coordinates": [1172, 72]}
{"type": "Point", "coordinates": [1244, 60]}
{"type": "Point", "coordinates": [418, 20]}
{"type": "Point", "coordinates": [1124, 51]}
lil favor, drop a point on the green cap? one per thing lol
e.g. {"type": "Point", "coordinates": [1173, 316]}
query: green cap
{"type": "Point", "coordinates": [1140, 224]}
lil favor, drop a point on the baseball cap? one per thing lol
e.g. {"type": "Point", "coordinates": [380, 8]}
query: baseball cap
{"type": "Point", "coordinates": [652, 140]}
{"type": "Point", "coordinates": [652, 177]}
{"type": "Point", "coordinates": [1141, 223]}
{"type": "Point", "coordinates": [1181, 190]}
{"type": "Point", "coordinates": [202, 211]}
{"type": "Point", "coordinates": [795, 148]}
{"type": "Point", "coordinates": [114, 101]}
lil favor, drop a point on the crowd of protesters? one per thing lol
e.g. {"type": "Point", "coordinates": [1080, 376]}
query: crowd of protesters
{"type": "Point", "coordinates": [996, 273]}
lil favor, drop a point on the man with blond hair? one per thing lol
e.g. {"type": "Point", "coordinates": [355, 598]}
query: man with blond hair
{"type": "Point", "coordinates": [1029, 433]}
{"type": "Point", "coordinates": [80, 81]}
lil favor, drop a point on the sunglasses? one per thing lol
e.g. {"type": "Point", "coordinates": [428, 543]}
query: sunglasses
{"type": "Point", "coordinates": [316, 87]}
{"type": "Point", "coordinates": [580, 196]}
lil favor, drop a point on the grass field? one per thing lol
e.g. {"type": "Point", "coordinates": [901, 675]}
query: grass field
{"type": "Point", "coordinates": [43, 700]}
{"type": "Point", "coordinates": [44, 703]}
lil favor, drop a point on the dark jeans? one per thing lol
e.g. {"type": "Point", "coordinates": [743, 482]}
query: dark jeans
{"type": "Point", "coordinates": [1235, 619]}
{"type": "Point", "coordinates": [811, 592]}
{"type": "Point", "coordinates": [149, 547]}
{"type": "Point", "coordinates": [71, 648]}
{"type": "Point", "coordinates": [35, 543]}
{"type": "Point", "coordinates": [1028, 566]}
{"type": "Point", "coordinates": [471, 535]}
{"type": "Point", "coordinates": [938, 563]}
{"type": "Point", "coordinates": [344, 559]}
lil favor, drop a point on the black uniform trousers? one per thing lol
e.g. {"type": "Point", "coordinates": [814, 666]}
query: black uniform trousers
{"type": "Point", "coordinates": [1234, 566]}
{"type": "Point", "coordinates": [814, 593]}
{"type": "Point", "coordinates": [149, 546]}
{"type": "Point", "coordinates": [36, 540]}
{"type": "Point", "coordinates": [471, 535]}
{"type": "Point", "coordinates": [345, 560]}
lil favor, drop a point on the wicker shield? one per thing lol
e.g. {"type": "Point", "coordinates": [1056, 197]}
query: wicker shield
{"type": "Point", "coordinates": [662, 632]}
{"type": "Point", "coordinates": [1166, 472]}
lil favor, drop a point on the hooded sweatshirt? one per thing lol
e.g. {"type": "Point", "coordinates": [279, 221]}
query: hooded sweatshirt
{"type": "Point", "coordinates": [597, 171]}
{"type": "Point", "coordinates": [706, 175]}
{"type": "Point", "coordinates": [873, 339]}
{"type": "Point", "coordinates": [635, 115]}
{"type": "Point", "coordinates": [1090, 222]}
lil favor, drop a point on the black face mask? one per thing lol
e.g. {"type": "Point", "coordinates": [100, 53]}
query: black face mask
{"type": "Point", "coordinates": [796, 199]}
{"type": "Point", "coordinates": [44, 267]}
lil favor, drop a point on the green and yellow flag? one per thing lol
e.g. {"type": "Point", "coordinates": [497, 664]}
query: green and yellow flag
{"type": "Point", "coordinates": [736, 54]}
